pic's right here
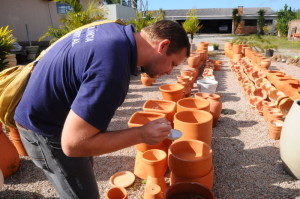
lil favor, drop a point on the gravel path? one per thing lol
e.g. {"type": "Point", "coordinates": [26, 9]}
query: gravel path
{"type": "Point", "coordinates": [247, 163]}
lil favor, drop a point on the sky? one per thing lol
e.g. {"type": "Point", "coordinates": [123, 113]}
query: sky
{"type": "Point", "coordinates": [276, 5]}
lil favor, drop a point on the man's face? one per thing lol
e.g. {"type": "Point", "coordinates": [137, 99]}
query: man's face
{"type": "Point", "coordinates": [163, 64]}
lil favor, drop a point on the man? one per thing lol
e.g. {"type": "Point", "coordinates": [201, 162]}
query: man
{"type": "Point", "coordinates": [75, 90]}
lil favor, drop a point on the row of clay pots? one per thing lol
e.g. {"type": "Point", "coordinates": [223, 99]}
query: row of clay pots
{"type": "Point", "coordinates": [263, 97]}
{"type": "Point", "coordinates": [147, 80]}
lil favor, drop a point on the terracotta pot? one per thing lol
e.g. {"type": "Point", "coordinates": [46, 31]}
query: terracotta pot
{"type": "Point", "coordinates": [171, 92]}
{"type": "Point", "coordinates": [193, 60]}
{"type": "Point", "coordinates": [188, 190]}
{"type": "Point", "coordinates": [289, 141]}
{"type": "Point", "coordinates": [139, 166]}
{"type": "Point", "coordinates": [237, 57]}
{"type": "Point", "coordinates": [186, 104]}
{"type": "Point", "coordinates": [166, 107]}
{"type": "Point", "coordinates": [195, 125]}
{"type": "Point", "coordinates": [275, 127]}
{"type": "Point", "coordinates": [206, 180]}
{"type": "Point", "coordinates": [272, 73]}
{"type": "Point", "coordinates": [10, 161]}
{"type": "Point", "coordinates": [237, 48]}
{"type": "Point", "coordinates": [259, 92]}
{"type": "Point", "coordinates": [274, 114]}
{"type": "Point", "coordinates": [190, 158]}
{"type": "Point", "coordinates": [15, 137]}
{"type": "Point", "coordinates": [155, 161]}
{"type": "Point", "coordinates": [267, 105]}
{"type": "Point", "coordinates": [153, 191]}
{"type": "Point", "coordinates": [117, 193]}
{"type": "Point", "coordinates": [215, 107]}
{"type": "Point", "coordinates": [146, 79]}
{"type": "Point", "coordinates": [284, 104]}
{"type": "Point", "coordinates": [265, 64]}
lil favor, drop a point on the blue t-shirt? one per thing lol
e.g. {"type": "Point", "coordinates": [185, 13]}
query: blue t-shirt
{"type": "Point", "coordinates": [88, 72]}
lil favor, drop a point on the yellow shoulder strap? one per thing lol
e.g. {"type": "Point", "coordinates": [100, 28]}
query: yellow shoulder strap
{"type": "Point", "coordinates": [77, 29]}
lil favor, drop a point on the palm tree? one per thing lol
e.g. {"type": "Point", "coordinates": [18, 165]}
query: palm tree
{"type": "Point", "coordinates": [6, 45]}
{"type": "Point", "coordinates": [261, 21]}
{"type": "Point", "coordinates": [75, 18]}
{"type": "Point", "coordinates": [192, 24]}
{"type": "Point", "coordinates": [236, 19]}
{"type": "Point", "coordinates": [142, 20]}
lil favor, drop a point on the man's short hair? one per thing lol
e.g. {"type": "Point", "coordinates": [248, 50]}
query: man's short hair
{"type": "Point", "coordinates": [173, 31]}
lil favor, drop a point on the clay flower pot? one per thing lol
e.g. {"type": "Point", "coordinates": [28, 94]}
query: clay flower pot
{"type": "Point", "coordinates": [166, 107]}
{"type": "Point", "coordinates": [267, 105]}
{"type": "Point", "coordinates": [190, 158]}
{"type": "Point", "coordinates": [139, 119]}
{"type": "Point", "coordinates": [153, 191]}
{"type": "Point", "coordinates": [188, 190]}
{"type": "Point", "coordinates": [171, 92]}
{"type": "Point", "coordinates": [215, 107]}
{"type": "Point", "coordinates": [192, 104]}
{"type": "Point", "coordinates": [265, 64]}
{"type": "Point", "coordinates": [275, 127]}
{"type": "Point", "coordinates": [155, 161]}
{"type": "Point", "coordinates": [206, 180]}
{"type": "Point", "coordinates": [15, 137]}
{"type": "Point", "coordinates": [146, 79]}
{"type": "Point", "coordinates": [117, 193]}
{"type": "Point", "coordinates": [195, 125]}
{"type": "Point", "coordinates": [10, 161]}
{"type": "Point", "coordinates": [284, 105]}
{"type": "Point", "coordinates": [193, 60]}
{"type": "Point", "coordinates": [274, 114]}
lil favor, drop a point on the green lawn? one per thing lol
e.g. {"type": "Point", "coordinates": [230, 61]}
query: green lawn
{"type": "Point", "coordinates": [281, 42]}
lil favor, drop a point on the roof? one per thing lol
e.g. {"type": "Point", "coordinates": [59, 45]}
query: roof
{"type": "Point", "coordinates": [217, 13]}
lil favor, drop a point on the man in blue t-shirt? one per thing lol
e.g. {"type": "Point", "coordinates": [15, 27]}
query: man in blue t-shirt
{"type": "Point", "coordinates": [71, 98]}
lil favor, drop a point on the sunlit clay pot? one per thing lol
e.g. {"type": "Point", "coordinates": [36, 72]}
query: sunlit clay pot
{"type": "Point", "coordinates": [117, 193]}
{"type": "Point", "coordinates": [207, 180]}
{"type": "Point", "coordinates": [215, 107]}
{"type": "Point", "coordinates": [186, 190]}
{"type": "Point", "coordinates": [15, 137]}
{"type": "Point", "coordinates": [171, 92]}
{"type": "Point", "coordinates": [196, 124]}
{"type": "Point", "coordinates": [192, 104]}
{"type": "Point", "coordinates": [153, 191]}
{"type": "Point", "coordinates": [190, 158]}
{"type": "Point", "coordinates": [155, 161]}
{"type": "Point", "coordinates": [161, 106]}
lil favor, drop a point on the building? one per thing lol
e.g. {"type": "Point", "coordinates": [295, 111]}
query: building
{"type": "Point", "coordinates": [219, 20]}
{"type": "Point", "coordinates": [30, 19]}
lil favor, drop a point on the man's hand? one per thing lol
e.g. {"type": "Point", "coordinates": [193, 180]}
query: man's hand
{"type": "Point", "coordinates": [155, 131]}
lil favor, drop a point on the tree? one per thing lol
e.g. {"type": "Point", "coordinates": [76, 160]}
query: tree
{"type": "Point", "coordinates": [75, 18]}
{"type": "Point", "coordinates": [283, 17]}
{"type": "Point", "coordinates": [261, 21]}
{"type": "Point", "coordinates": [192, 24]}
{"type": "Point", "coordinates": [140, 21]}
{"type": "Point", "coordinates": [6, 45]}
{"type": "Point", "coordinates": [236, 19]}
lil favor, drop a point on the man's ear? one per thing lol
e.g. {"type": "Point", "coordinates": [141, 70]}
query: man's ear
{"type": "Point", "coordinates": [163, 46]}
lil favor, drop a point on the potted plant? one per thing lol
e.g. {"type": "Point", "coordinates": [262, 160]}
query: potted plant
{"type": "Point", "coordinates": [192, 24]}
{"type": "Point", "coordinates": [216, 46]}
{"type": "Point", "coordinates": [6, 45]}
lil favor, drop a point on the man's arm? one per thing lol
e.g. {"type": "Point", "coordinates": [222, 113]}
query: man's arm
{"type": "Point", "coordinates": [80, 139]}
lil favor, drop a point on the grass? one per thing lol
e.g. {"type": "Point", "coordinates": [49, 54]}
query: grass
{"type": "Point", "coordinates": [281, 42]}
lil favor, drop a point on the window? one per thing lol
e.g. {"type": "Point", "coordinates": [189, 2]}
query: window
{"type": "Point", "coordinates": [250, 22]}
{"type": "Point", "coordinates": [62, 8]}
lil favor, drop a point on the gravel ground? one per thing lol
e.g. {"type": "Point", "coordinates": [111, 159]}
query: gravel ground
{"type": "Point", "coordinates": [247, 163]}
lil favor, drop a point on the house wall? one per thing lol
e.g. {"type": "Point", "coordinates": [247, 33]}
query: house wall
{"type": "Point", "coordinates": [117, 11]}
{"type": "Point", "coordinates": [37, 14]}
{"type": "Point", "coordinates": [294, 27]}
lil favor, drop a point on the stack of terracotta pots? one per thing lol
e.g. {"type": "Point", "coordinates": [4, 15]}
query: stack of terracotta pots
{"type": "Point", "coordinates": [215, 102]}
{"type": "Point", "coordinates": [191, 161]}
{"type": "Point", "coordinates": [138, 119]}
